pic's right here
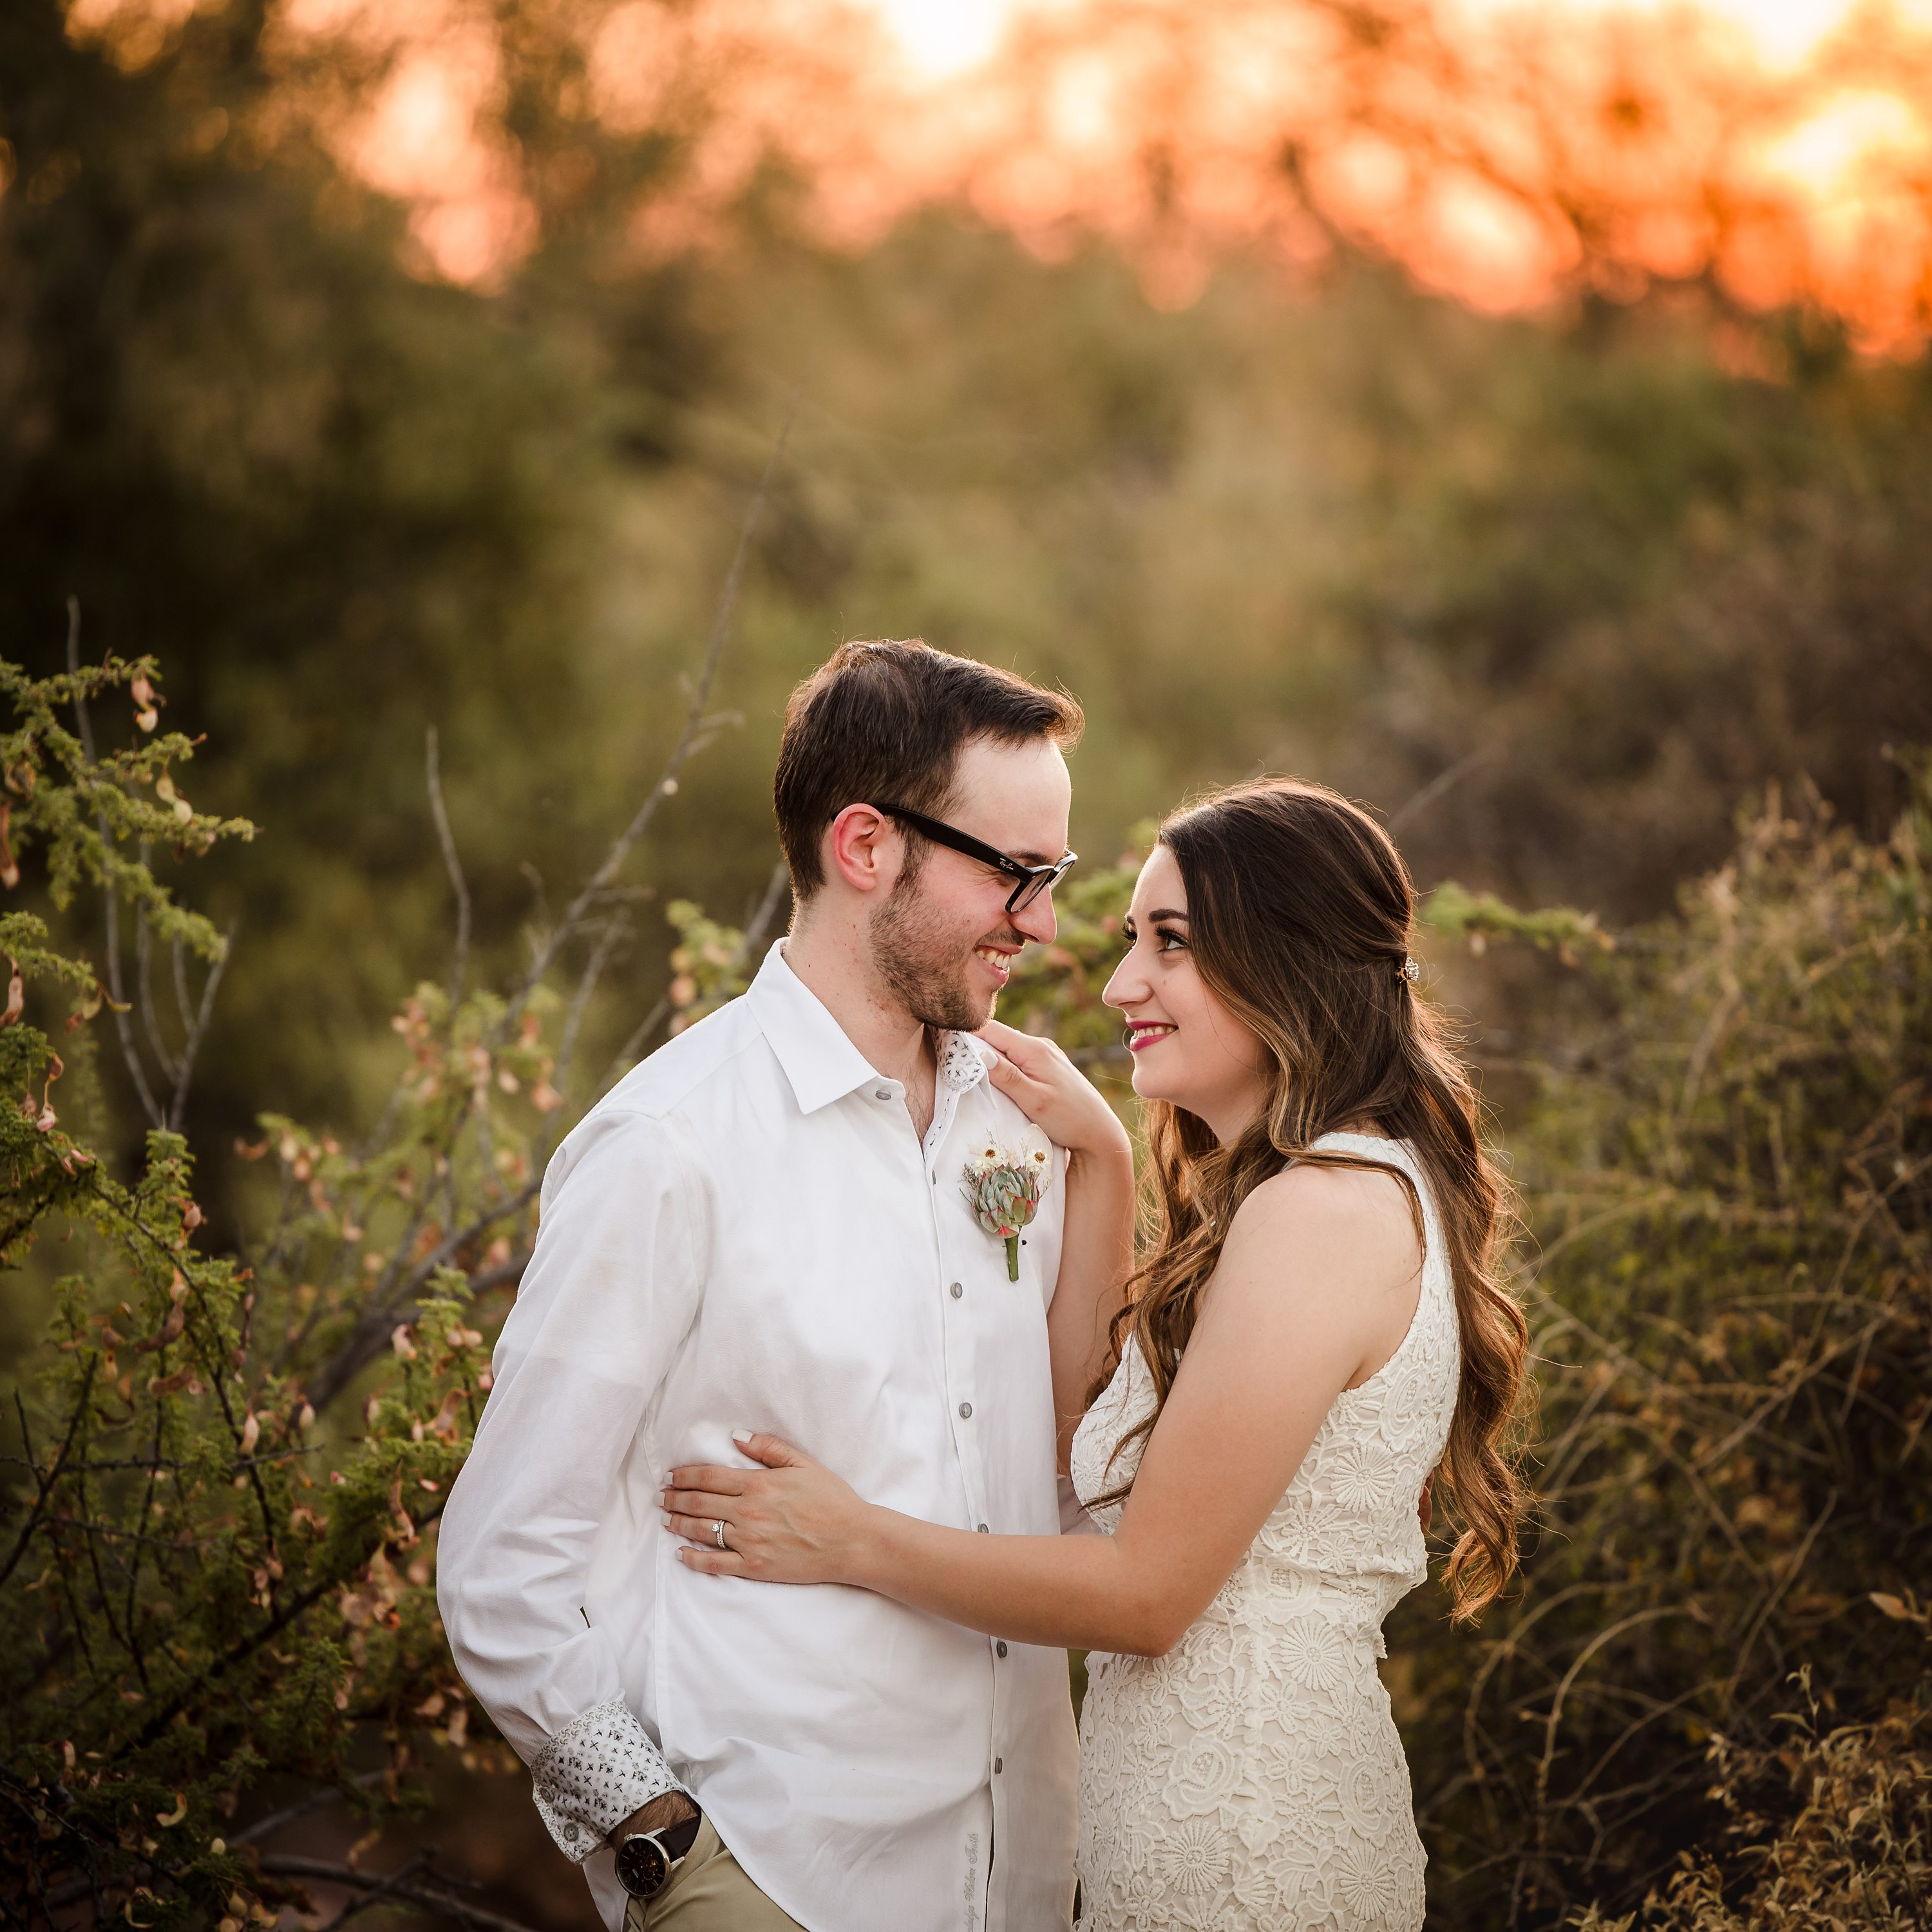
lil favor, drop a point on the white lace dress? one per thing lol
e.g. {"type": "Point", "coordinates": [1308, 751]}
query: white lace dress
{"type": "Point", "coordinates": [1251, 1779]}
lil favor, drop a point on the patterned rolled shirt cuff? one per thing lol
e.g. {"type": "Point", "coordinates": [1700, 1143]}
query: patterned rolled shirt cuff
{"type": "Point", "coordinates": [594, 1774]}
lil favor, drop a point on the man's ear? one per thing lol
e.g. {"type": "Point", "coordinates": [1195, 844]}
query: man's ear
{"type": "Point", "coordinates": [863, 847]}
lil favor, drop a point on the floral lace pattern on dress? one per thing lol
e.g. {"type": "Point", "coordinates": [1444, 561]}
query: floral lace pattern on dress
{"type": "Point", "coordinates": [1253, 1779]}
{"type": "Point", "coordinates": [598, 1770]}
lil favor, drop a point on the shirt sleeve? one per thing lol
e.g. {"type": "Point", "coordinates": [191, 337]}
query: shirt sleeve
{"type": "Point", "coordinates": [611, 1290]}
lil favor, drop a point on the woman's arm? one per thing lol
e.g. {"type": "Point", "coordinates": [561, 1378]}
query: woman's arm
{"type": "Point", "coordinates": [1317, 1285]}
{"type": "Point", "coordinates": [1096, 1256]}
{"type": "Point", "coordinates": [1097, 1250]}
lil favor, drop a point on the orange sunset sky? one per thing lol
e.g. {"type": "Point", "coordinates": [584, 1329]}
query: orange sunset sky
{"type": "Point", "coordinates": [1506, 150]}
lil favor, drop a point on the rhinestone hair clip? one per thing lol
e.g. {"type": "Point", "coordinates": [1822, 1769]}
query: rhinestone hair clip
{"type": "Point", "coordinates": [1411, 971]}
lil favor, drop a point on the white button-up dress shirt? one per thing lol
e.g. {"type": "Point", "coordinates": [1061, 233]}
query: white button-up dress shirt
{"type": "Point", "coordinates": [747, 1233]}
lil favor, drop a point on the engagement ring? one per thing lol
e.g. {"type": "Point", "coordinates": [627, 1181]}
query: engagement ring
{"type": "Point", "coordinates": [718, 1531]}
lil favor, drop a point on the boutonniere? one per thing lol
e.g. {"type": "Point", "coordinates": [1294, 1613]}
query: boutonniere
{"type": "Point", "coordinates": [1003, 1185]}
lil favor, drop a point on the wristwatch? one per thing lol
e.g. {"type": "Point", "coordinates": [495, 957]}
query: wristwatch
{"type": "Point", "coordinates": [646, 1859]}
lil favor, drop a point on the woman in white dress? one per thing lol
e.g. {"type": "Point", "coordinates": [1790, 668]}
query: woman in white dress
{"type": "Point", "coordinates": [1317, 1330]}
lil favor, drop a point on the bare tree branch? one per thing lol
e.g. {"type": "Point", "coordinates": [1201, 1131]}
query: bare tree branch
{"type": "Point", "coordinates": [777, 889]}
{"type": "Point", "coordinates": [615, 932]}
{"type": "Point", "coordinates": [144, 946]}
{"type": "Point", "coordinates": [688, 738]}
{"type": "Point", "coordinates": [439, 812]}
{"type": "Point", "coordinates": [45, 1483]}
{"type": "Point", "coordinates": [776, 892]}
{"type": "Point", "coordinates": [263, 1827]}
{"type": "Point", "coordinates": [286, 1864]}
{"type": "Point", "coordinates": [1441, 783]}
{"type": "Point", "coordinates": [366, 1339]}
{"type": "Point", "coordinates": [198, 1031]}
{"type": "Point", "coordinates": [182, 1004]}
{"type": "Point", "coordinates": [626, 1057]}
{"type": "Point", "coordinates": [117, 997]}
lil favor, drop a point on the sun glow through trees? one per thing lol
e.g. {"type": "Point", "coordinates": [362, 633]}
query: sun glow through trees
{"type": "Point", "coordinates": [1778, 150]}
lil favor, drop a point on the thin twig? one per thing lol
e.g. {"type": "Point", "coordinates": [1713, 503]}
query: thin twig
{"type": "Point", "coordinates": [144, 946]}
{"type": "Point", "coordinates": [198, 1031]}
{"type": "Point", "coordinates": [777, 889]}
{"type": "Point", "coordinates": [366, 1339]}
{"type": "Point", "coordinates": [626, 1057]}
{"type": "Point", "coordinates": [460, 964]}
{"type": "Point", "coordinates": [263, 1827]}
{"type": "Point", "coordinates": [1776, 1595]}
{"type": "Point", "coordinates": [615, 932]}
{"type": "Point", "coordinates": [52, 1476]}
{"type": "Point", "coordinates": [1441, 783]}
{"type": "Point", "coordinates": [245, 1647]}
{"type": "Point", "coordinates": [181, 1003]}
{"type": "Point", "coordinates": [116, 997]}
{"type": "Point", "coordinates": [694, 720]}
{"type": "Point", "coordinates": [286, 1865]}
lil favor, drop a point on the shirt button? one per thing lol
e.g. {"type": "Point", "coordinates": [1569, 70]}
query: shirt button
{"type": "Point", "coordinates": [966, 1411]}
{"type": "Point", "coordinates": [957, 1291]}
{"type": "Point", "coordinates": [1000, 1647]}
{"type": "Point", "coordinates": [999, 1765]}
{"type": "Point", "coordinates": [882, 1093]}
{"type": "Point", "coordinates": [984, 1531]}
{"type": "Point", "coordinates": [570, 1832]}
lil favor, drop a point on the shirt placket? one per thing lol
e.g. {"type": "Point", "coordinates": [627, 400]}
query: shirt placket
{"type": "Point", "coordinates": [958, 1315]}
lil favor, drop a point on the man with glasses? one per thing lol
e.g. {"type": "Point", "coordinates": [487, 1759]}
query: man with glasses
{"type": "Point", "coordinates": [763, 1227]}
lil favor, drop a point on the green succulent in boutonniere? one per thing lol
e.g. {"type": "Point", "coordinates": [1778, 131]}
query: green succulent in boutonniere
{"type": "Point", "coordinates": [1003, 1185]}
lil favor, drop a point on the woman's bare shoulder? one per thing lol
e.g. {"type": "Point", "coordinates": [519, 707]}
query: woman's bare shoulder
{"type": "Point", "coordinates": [1364, 1214]}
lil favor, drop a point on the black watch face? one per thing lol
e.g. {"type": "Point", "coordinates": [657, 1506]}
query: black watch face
{"type": "Point", "coordinates": [642, 1866]}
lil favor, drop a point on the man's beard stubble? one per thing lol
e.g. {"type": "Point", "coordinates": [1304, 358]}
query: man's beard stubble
{"type": "Point", "coordinates": [923, 966]}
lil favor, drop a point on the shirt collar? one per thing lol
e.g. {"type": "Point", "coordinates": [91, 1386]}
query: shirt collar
{"type": "Point", "coordinates": [819, 1059]}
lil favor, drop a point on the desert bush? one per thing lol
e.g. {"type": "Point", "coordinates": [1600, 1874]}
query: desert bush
{"type": "Point", "coordinates": [1729, 1172]}
{"type": "Point", "coordinates": [217, 1592]}
{"type": "Point", "coordinates": [1828, 1830]}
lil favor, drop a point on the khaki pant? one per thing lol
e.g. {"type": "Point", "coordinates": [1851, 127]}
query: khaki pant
{"type": "Point", "coordinates": [708, 1892]}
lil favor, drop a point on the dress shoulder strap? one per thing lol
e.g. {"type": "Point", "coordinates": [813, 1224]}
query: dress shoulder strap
{"type": "Point", "coordinates": [1397, 1154]}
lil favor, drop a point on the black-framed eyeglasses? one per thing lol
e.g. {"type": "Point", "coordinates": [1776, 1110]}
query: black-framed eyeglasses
{"type": "Point", "coordinates": [1033, 879]}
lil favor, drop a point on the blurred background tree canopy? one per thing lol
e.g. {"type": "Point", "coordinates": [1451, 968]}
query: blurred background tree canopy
{"type": "Point", "coordinates": [1610, 565]}
{"type": "Point", "coordinates": [1520, 418]}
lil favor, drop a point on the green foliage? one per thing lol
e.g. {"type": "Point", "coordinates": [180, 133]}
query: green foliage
{"type": "Point", "coordinates": [81, 811]}
{"type": "Point", "coordinates": [711, 963]}
{"type": "Point", "coordinates": [214, 1578]}
{"type": "Point", "coordinates": [1729, 1178]}
{"type": "Point", "coordinates": [1476, 918]}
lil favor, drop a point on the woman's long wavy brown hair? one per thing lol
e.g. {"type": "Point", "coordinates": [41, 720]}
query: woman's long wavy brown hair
{"type": "Point", "coordinates": [1300, 914]}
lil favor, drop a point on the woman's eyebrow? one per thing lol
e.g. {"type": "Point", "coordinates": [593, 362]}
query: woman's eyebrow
{"type": "Point", "coordinates": [1168, 912]}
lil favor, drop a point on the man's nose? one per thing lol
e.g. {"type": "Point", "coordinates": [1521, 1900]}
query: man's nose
{"type": "Point", "coordinates": [1038, 920]}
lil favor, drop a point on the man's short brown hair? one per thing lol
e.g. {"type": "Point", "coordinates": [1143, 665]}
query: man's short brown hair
{"type": "Point", "coordinates": [884, 722]}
